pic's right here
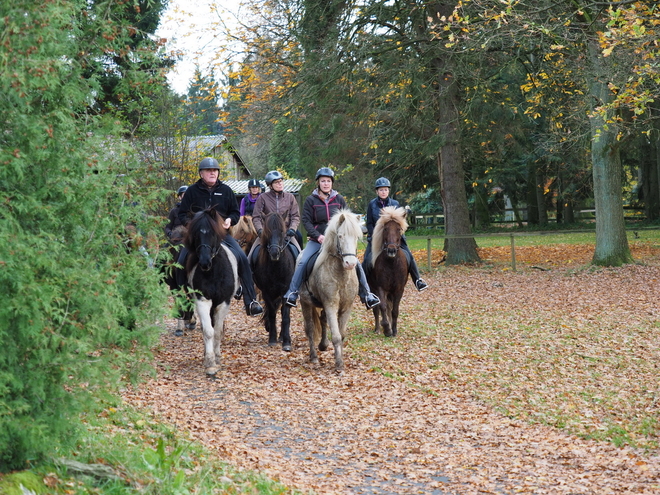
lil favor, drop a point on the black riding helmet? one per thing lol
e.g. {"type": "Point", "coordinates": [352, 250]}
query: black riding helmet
{"type": "Point", "coordinates": [181, 190]}
{"type": "Point", "coordinates": [325, 172]}
{"type": "Point", "coordinates": [382, 182]}
{"type": "Point", "coordinates": [209, 163]}
{"type": "Point", "coordinates": [254, 183]}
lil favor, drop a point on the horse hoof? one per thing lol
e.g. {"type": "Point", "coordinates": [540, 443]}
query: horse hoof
{"type": "Point", "coordinates": [272, 344]}
{"type": "Point", "coordinates": [191, 325]}
{"type": "Point", "coordinates": [178, 333]}
{"type": "Point", "coordinates": [286, 347]}
{"type": "Point", "coordinates": [211, 371]}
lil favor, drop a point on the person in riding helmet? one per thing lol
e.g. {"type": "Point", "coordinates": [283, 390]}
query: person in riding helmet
{"type": "Point", "coordinates": [247, 203]}
{"type": "Point", "coordinates": [277, 200]}
{"type": "Point", "coordinates": [174, 213]}
{"type": "Point", "coordinates": [382, 200]}
{"type": "Point", "coordinates": [209, 192]}
{"type": "Point", "coordinates": [317, 210]}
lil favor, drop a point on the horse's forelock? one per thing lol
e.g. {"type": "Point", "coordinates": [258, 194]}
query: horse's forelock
{"type": "Point", "coordinates": [204, 219]}
{"type": "Point", "coordinates": [274, 223]}
{"type": "Point", "coordinates": [387, 214]}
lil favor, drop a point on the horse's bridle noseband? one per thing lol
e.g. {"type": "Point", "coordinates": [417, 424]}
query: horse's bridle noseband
{"type": "Point", "coordinates": [214, 251]}
{"type": "Point", "coordinates": [341, 255]}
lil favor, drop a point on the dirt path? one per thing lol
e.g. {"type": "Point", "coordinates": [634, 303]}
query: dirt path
{"type": "Point", "coordinates": [367, 432]}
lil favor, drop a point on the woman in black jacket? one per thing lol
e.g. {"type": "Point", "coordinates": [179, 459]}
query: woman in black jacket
{"type": "Point", "coordinates": [317, 210]}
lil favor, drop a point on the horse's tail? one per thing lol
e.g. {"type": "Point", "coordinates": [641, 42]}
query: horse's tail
{"type": "Point", "coordinates": [316, 338]}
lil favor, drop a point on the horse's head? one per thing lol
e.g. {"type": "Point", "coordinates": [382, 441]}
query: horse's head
{"type": "Point", "coordinates": [341, 237]}
{"type": "Point", "coordinates": [388, 232]}
{"type": "Point", "coordinates": [204, 237]}
{"type": "Point", "coordinates": [244, 233]}
{"type": "Point", "coordinates": [273, 235]}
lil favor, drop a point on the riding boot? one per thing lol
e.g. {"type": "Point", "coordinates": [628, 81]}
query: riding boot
{"type": "Point", "coordinates": [368, 298]}
{"type": "Point", "coordinates": [180, 273]}
{"type": "Point", "coordinates": [252, 306]}
{"type": "Point", "coordinates": [419, 282]}
{"type": "Point", "coordinates": [291, 296]}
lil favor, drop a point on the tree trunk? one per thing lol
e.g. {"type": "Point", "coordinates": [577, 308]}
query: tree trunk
{"type": "Point", "coordinates": [611, 241]}
{"type": "Point", "coordinates": [452, 177]}
{"type": "Point", "coordinates": [540, 198]}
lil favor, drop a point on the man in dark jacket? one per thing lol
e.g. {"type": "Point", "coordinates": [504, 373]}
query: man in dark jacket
{"type": "Point", "coordinates": [209, 192]}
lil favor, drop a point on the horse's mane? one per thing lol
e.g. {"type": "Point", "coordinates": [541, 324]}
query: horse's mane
{"type": "Point", "coordinates": [273, 222]}
{"type": "Point", "coordinates": [344, 222]}
{"type": "Point", "coordinates": [208, 218]}
{"type": "Point", "coordinates": [387, 214]}
{"type": "Point", "coordinates": [245, 223]}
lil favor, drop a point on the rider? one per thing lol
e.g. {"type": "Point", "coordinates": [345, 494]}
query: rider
{"type": "Point", "coordinates": [317, 210]}
{"type": "Point", "coordinates": [247, 203]}
{"type": "Point", "coordinates": [277, 200]}
{"type": "Point", "coordinates": [382, 200]}
{"type": "Point", "coordinates": [174, 213]}
{"type": "Point", "coordinates": [207, 192]}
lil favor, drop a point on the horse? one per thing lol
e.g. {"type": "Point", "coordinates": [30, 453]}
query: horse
{"type": "Point", "coordinates": [244, 233]}
{"type": "Point", "coordinates": [272, 271]}
{"type": "Point", "coordinates": [328, 295]}
{"type": "Point", "coordinates": [387, 270]}
{"type": "Point", "coordinates": [212, 275]}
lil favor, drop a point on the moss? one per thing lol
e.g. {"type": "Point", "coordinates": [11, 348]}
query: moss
{"type": "Point", "coordinates": [18, 483]}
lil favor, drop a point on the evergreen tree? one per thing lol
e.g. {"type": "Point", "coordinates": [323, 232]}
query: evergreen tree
{"type": "Point", "coordinates": [79, 297]}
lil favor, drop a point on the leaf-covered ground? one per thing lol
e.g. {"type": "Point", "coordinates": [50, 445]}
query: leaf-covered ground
{"type": "Point", "coordinates": [493, 385]}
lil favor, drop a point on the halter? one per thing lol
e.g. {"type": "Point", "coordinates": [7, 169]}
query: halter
{"type": "Point", "coordinates": [386, 247]}
{"type": "Point", "coordinates": [341, 255]}
{"type": "Point", "coordinates": [214, 252]}
{"type": "Point", "coordinates": [281, 249]}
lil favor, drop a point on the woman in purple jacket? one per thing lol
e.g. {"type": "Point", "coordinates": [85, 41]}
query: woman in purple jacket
{"type": "Point", "coordinates": [317, 210]}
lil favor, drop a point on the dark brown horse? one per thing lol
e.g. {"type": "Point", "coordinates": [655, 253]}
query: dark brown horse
{"type": "Point", "coordinates": [272, 271]}
{"type": "Point", "coordinates": [387, 272]}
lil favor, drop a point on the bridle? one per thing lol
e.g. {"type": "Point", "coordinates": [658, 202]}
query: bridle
{"type": "Point", "coordinates": [340, 254]}
{"type": "Point", "coordinates": [280, 248]}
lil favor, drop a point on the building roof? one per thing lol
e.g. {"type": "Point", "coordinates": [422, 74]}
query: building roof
{"type": "Point", "coordinates": [241, 186]}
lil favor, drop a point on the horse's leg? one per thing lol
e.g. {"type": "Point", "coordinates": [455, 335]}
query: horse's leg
{"type": "Point", "coordinates": [204, 311]}
{"type": "Point", "coordinates": [270, 318]}
{"type": "Point", "coordinates": [311, 319]}
{"type": "Point", "coordinates": [337, 339]}
{"type": "Point", "coordinates": [386, 314]}
{"type": "Point", "coordinates": [396, 299]}
{"type": "Point", "coordinates": [219, 315]}
{"type": "Point", "coordinates": [324, 342]}
{"type": "Point", "coordinates": [285, 334]}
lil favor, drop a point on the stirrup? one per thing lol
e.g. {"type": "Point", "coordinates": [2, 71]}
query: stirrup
{"type": "Point", "coordinates": [291, 299]}
{"type": "Point", "coordinates": [254, 309]}
{"type": "Point", "coordinates": [420, 285]}
{"type": "Point", "coordinates": [239, 293]}
{"type": "Point", "coordinates": [371, 300]}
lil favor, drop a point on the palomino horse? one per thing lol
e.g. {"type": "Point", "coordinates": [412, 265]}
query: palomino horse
{"type": "Point", "coordinates": [212, 275]}
{"type": "Point", "coordinates": [244, 233]}
{"type": "Point", "coordinates": [387, 272]}
{"type": "Point", "coordinates": [272, 271]}
{"type": "Point", "coordinates": [332, 287]}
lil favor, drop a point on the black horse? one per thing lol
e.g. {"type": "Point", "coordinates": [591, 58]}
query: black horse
{"type": "Point", "coordinates": [212, 278]}
{"type": "Point", "coordinates": [272, 269]}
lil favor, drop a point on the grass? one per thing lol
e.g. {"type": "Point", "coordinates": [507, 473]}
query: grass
{"type": "Point", "coordinates": [145, 457]}
{"type": "Point", "coordinates": [525, 238]}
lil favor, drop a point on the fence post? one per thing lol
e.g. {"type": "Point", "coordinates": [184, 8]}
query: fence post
{"type": "Point", "coordinates": [513, 253]}
{"type": "Point", "coordinates": [428, 253]}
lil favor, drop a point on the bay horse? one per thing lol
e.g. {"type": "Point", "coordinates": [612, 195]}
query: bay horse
{"type": "Point", "coordinates": [328, 295]}
{"type": "Point", "coordinates": [387, 271]}
{"type": "Point", "coordinates": [212, 275]}
{"type": "Point", "coordinates": [272, 271]}
{"type": "Point", "coordinates": [244, 233]}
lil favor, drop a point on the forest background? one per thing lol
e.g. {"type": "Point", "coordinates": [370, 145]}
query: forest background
{"type": "Point", "coordinates": [552, 104]}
